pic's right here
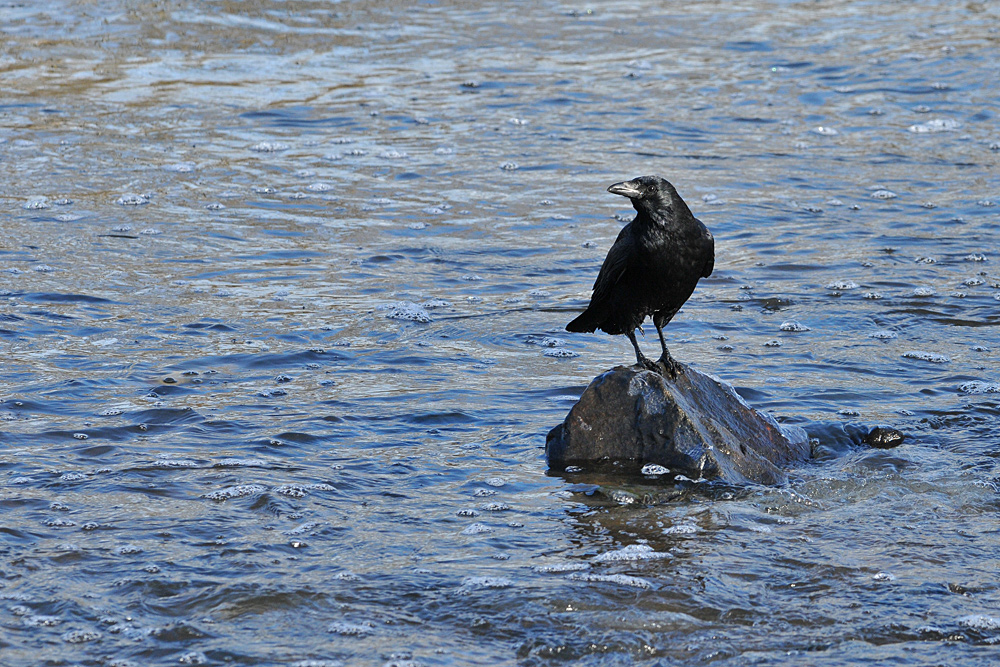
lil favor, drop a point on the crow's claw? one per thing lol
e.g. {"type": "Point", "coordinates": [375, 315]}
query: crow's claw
{"type": "Point", "coordinates": [651, 365]}
{"type": "Point", "coordinates": [671, 367]}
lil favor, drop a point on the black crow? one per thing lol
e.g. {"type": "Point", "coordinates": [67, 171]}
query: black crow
{"type": "Point", "coordinates": [651, 269]}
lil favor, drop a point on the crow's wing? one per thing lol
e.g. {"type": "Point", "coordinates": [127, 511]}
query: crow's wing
{"type": "Point", "coordinates": [710, 263]}
{"type": "Point", "coordinates": [614, 267]}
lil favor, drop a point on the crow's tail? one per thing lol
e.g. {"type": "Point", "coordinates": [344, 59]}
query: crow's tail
{"type": "Point", "coordinates": [585, 323]}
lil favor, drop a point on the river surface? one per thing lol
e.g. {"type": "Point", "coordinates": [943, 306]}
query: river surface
{"type": "Point", "coordinates": [282, 296]}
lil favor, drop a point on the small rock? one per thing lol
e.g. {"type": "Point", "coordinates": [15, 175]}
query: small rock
{"type": "Point", "coordinates": [884, 437]}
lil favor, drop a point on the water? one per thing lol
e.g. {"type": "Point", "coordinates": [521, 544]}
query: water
{"type": "Point", "coordinates": [284, 287]}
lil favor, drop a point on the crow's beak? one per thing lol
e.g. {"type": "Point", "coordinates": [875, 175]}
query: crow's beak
{"type": "Point", "coordinates": [625, 189]}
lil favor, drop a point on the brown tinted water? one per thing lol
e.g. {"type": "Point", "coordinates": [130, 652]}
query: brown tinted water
{"type": "Point", "coordinates": [283, 295]}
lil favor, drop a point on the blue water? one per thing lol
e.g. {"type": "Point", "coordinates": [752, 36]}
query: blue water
{"type": "Point", "coordinates": [283, 295]}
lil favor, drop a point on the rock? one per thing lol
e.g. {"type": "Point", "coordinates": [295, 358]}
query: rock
{"type": "Point", "coordinates": [693, 424]}
{"type": "Point", "coordinates": [883, 437]}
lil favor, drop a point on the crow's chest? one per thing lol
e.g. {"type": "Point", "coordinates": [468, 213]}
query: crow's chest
{"type": "Point", "coordinates": [668, 258]}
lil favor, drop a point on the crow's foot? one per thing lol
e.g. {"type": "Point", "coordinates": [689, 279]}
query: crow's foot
{"type": "Point", "coordinates": [671, 367]}
{"type": "Point", "coordinates": [650, 365]}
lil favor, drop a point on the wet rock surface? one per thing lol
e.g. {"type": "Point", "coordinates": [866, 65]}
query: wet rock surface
{"type": "Point", "coordinates": [691, 423]}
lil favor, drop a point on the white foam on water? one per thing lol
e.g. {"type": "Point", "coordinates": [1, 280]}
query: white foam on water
{"type": "Point", "coordinates": [620, 579]}
{"type": "Point", "coordinates": [922, 355]}
{"type": "Point", "coordinates": [487, 582]}
{"type": "Point", "coordinates": [632, 552]}
{"type": "Point", "coordinates": [409, 312]}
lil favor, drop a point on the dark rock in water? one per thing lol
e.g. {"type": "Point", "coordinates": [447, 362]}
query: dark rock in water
{"type": "Point", "coordinates": [883, 437]}
{"type": "Point", "coordinates": [693, 424]}
{"type": "Point", "coordinates": [861, 435]}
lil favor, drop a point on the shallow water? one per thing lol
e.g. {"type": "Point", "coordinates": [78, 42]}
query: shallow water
{"type": "Point", "coordinates": [284, 287]}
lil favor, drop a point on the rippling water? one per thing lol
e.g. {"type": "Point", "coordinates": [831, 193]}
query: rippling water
{"type": "Point", "coordinates": [284, 287]}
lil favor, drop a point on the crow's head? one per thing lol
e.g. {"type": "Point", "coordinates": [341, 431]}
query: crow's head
{"type": "Point", "coordinates": [650, 194]}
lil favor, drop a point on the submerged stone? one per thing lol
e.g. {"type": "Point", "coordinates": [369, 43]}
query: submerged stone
{"type": "Point", "coordinates": [693, 424]}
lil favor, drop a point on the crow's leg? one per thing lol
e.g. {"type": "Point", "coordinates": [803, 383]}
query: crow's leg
{"type": "Point", "coordinates": [669, 363]}
{"type": "Point", "coordinates": [663, 342]}
{"type": "Point", "coordinates": [640, 358]}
